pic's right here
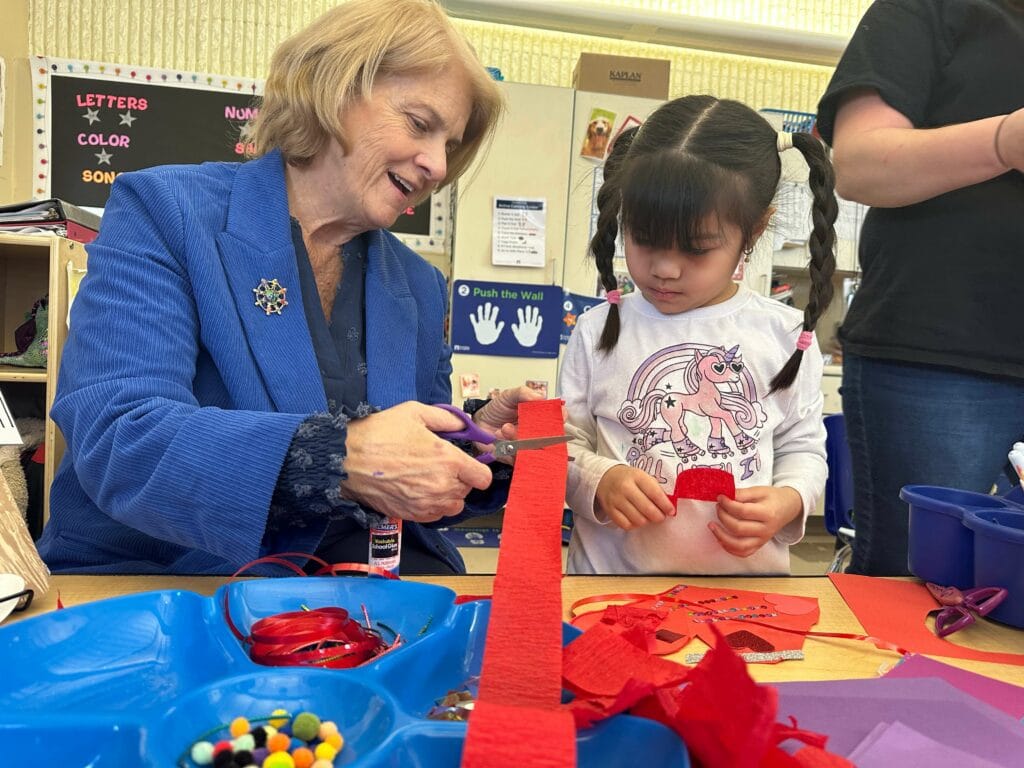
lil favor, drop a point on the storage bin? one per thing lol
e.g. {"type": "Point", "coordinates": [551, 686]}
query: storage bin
{"type": "Point", "coordinates": [999, 558]}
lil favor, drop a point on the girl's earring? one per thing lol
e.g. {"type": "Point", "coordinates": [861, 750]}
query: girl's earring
{"type": "Point", "coordinates": [746, 254]}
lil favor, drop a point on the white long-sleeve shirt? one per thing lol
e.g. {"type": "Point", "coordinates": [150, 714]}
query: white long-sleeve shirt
{"type": "Point", "coordinates": [687, 390]}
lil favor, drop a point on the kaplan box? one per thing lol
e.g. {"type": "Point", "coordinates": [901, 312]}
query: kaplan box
{"type": "Point", "coordinates": [624, 75]}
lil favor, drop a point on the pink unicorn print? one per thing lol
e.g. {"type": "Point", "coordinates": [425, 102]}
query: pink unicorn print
{"type": "Point", "coordinates": [710, 383]}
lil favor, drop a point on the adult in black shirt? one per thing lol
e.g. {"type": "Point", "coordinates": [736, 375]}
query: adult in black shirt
{"type": "Point", "coordinates": [924, 116]}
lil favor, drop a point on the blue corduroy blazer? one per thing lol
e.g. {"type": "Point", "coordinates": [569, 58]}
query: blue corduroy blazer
{"type": "Point", "coordinates": [179, 397]}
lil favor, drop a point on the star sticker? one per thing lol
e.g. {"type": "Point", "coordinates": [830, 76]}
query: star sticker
{"type": "Point", "coordinates": [127, 119]}
{"type": "Point", "coordinates": [92, 115]}
{"type": "Point", "coordinates": [103, 156]}
{"type": "Point", "coordinates": [569, 319]}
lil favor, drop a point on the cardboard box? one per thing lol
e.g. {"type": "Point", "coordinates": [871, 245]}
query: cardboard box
{"type": "Point", "coordinates": [623, 75]}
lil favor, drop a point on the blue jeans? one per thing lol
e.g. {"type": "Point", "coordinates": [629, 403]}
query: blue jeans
{"type": "Point", "coordinates": [908, 423]}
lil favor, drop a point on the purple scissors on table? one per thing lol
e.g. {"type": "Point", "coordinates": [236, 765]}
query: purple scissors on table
{"type": "Point", "coordinates": [959, 606]}
{"type": "Point", "coordinates": [499, 448]}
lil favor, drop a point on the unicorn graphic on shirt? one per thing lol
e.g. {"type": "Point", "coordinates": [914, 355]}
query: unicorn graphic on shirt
{"type": "Point", "coordinates": [710, 384]}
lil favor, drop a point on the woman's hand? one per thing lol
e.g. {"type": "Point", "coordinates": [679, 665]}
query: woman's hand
{"type": "Point", "coordinates": [398, 466]}
{"type": "Point", "coordinates": [631, 498]}
{"type": "Point", "coordinates": [747, 523]}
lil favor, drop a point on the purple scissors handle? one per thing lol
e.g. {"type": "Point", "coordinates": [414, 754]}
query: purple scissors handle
{"type": "Point", "coordinates": [960, 606]}
{"type": "Point", "coordinates": [502, 448]}
{"type": "Point", "coordinates": [469, 432]}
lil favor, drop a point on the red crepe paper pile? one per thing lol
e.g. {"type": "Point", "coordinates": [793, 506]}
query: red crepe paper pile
{"type": "Point", "coordinates": [725, 718]}
{"type": "Point", "coordinates": [754, 622]}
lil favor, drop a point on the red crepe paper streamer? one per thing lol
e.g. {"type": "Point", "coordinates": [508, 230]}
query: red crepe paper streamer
{"type": "Point", "coordinates": [517, 719]}
{"type": "Point", "coordinates": [703, 484]}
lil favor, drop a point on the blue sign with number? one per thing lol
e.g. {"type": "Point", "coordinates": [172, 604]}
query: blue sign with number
{"type": "Point", "coordinates": [506, 319]}
{"type": "Point", "coordinates": [574, 305]}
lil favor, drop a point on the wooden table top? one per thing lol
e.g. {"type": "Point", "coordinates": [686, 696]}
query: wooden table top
{"type": "Point", "coordinates": [825, 658]}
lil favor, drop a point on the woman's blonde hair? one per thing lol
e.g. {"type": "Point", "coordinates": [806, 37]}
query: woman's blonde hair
{"type": "Point", "coordinates": [316, 73]}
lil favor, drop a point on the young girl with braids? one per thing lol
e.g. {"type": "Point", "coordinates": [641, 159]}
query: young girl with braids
{"type": "Point", "coordinates": [692, 370]}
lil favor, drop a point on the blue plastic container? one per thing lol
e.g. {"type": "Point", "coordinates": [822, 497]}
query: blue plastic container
{"type": "Point", "coordinates": [999, 558]}
{"type": "Point", "coordinates": [136, 680]}
{"type": "Point", "coordinates": [940, 546]}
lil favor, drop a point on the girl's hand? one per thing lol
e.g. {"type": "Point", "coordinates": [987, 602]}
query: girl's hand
{"type": "Point", "coordinates": [631, 498]}
{"type": "Point", "coordinates": [747, 523]}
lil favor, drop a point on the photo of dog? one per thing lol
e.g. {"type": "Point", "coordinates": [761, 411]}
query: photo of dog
{"type": "Point", "coordinates": [598, 134]}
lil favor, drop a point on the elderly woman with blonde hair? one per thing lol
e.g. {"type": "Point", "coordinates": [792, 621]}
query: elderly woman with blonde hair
{"type": "Point", "coordinates": [253, 356]}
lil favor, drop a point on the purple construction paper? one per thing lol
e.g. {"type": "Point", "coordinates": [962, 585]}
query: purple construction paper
{"type": "Point", "coordinates": [1004, 696]}
{"type": "Point", "coordinates": [848, 710]}
{"type": "Point", "coordinates": [895, 744]}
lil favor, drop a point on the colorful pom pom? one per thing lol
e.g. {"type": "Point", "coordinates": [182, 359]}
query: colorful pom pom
{"type": "Point", "coordinates": [276, 721]}
{"type": "Point", "coordinates": [245, 743]}
{"type": "Point", "coordinates": [327, 727]}
{"type": "Point", "coordinates": [279, 760]}
{"type": "Point", "coordinates": [306, 726]}
{"type": "Point", "coordinates": [336, 740]}
{"type": "Point", "coordinates": [238, 727]}
{"type": "Point", "coordinates": [259, 736]}
{"type": "Point", "coordinates": [303, 757]}
{"type": "Point", "coordinates": [279, 742]}
{"type": "Point", "coordinates": [202, 753]}
{"type": "Point", "coordinates": [325, 751]}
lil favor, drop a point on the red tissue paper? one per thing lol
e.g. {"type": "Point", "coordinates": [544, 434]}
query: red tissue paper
{"type": "Point", "coordinates": [726, 719]}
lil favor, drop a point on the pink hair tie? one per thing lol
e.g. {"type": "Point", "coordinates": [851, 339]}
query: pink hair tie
{"type": "Point", "coordinates": [614, 297]}
{"type": "Point", "coordinates": [805, 339]}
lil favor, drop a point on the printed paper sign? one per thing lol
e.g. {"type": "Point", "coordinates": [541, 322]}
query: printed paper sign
{"type": "Point", "coordinates": [508, 319]}
{"type": "Point", "coordinates": [518, 232]}
{"type": "Point", "coordinates": [598, 134]}
{"type": "Point", "coordinates": [574, 305]}
{"type": "Point", "coordinates": [9, 434]}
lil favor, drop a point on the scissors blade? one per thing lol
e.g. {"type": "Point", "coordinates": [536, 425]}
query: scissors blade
{"type": "Point", "coordinates": [512, 447]}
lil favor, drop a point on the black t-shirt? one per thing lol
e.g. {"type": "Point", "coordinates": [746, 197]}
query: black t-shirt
{"type": "Point", "coordinates": [943, 280]}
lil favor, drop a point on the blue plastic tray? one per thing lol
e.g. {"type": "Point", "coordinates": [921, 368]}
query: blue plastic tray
{"type": "Point", "coordinates": [133, 681]}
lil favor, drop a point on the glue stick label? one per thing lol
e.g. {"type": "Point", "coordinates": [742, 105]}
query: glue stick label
{"type": "Point", "coordinates": [386, 545]}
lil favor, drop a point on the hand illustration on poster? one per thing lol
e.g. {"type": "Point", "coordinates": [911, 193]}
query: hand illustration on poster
{"type": "Point", "coordinates": [528, 328]}
{"type": "Point", "coordinates": [480, 312]}
{"type": "Point", "coordinates": [485, 328]}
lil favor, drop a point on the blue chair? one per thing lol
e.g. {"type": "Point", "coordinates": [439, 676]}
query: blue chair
{"type": "Point", "coordinates": [838, 499]}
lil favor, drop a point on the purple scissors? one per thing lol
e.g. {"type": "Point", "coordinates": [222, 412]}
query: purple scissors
{"type": "Point", "coordinates": [499, 448]}
{"type": "Point", "coordinates": [959, 606]}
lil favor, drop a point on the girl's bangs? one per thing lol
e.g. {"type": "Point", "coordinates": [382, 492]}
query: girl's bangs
{"type": "Point", "coordinates": [669, 200]}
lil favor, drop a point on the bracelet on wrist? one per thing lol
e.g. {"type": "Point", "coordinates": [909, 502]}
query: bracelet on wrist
{"type": "Point", "coordinates": [995, 142]}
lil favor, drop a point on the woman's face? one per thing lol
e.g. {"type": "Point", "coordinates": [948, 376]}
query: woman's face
{"type": "Point", "coordinates": [399, 139]}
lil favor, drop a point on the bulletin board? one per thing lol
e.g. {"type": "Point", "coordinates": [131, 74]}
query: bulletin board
{"type": "Point", "coordinates": [94, 120]}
